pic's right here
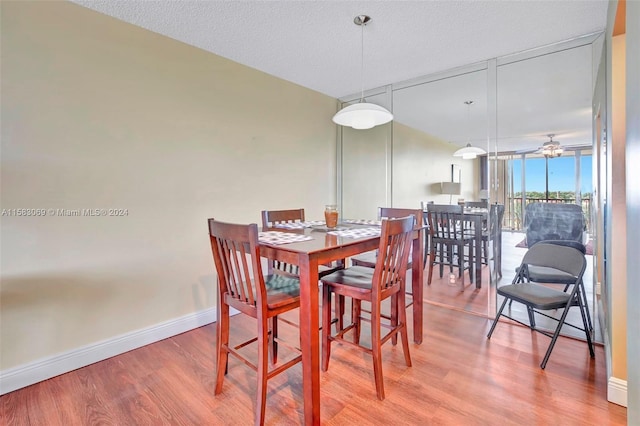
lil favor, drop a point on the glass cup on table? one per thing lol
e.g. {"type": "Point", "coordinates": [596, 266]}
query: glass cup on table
{"type": "Point", "coordinates": [331, 215]}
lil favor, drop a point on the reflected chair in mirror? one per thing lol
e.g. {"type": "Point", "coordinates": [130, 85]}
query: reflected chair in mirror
{"type": "Point", "coordinates": [242, 286]}
{"type": "Point", "coordinates": [494, 235]}
{"type": "Point", "coordinates": [554, 221]}
{"type": "Point", "coordinates": [539, 297]}
{"type": "Point", "coordinates": [450, 234]}
{"type": "Point", "coordinates": [484, 204]}
{"type": "Point", "coordinates": [386, 280]}
{"type": "Point", "coordinates": [543, 274]}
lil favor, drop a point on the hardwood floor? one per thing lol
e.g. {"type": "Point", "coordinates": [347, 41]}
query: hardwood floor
{"type": "Point", "coordinates": [458, 377]}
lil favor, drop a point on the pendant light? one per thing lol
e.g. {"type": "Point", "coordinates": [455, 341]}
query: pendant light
{"type": "Point", "coordinates": [469, 152]}
{"type": "Point", "coordinates": [362, 115]}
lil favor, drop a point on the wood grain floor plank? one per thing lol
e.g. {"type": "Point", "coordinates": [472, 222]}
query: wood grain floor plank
{"type": "Point", "coordinates": [458, 377]}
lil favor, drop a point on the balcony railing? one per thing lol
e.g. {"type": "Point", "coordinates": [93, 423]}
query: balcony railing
{"type": "Point", "coordinates": [514, 218]}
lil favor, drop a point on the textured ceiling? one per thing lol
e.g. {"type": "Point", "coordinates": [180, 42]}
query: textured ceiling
{"type": "Point", "coordinates": [316, 45]}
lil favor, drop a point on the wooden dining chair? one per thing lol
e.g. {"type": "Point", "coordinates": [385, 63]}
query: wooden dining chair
{"type": "Point", "coordinates": [484, 204]}
{"type": "Point", "coordinates": [450, 235]}
{"type": "Point", "coordinates": [386, 280]}
{"type": "Point", "coordinates": [369, 259]}
{"type": "Point", "coordinates": [242, 285]}
{"type": "Point", "coordinates": [270, 221]}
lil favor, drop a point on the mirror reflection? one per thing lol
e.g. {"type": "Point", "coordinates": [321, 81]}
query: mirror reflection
{"type": "Point", "coordinates": [532, 114]}
{"type": "Point", "coordinates": [543, 161]}
{"type": "Point", "coordinates": [432, 121]}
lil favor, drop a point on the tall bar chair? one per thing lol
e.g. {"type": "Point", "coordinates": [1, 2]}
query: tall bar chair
{"type": "Point", "coordinates": [242, 285]}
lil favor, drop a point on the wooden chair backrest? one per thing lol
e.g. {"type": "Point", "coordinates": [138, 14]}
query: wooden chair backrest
{"type": "Point", "coordinates": [273, 217]}
{"type": "Point", "coordinates": [477, 204]}
{"type": "Point", "coordinates": [445, 221]}
{"type": "Point", "coordinates": [396, 236]}
{"type": "Point", "coordinates": [237, 258]}
{"type": "Point", "coordinates": [394, 213]}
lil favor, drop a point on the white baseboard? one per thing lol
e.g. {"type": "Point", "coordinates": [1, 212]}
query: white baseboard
{"type": "Point", "coordinates": [617, 391]}
{"type": "Point", "coordinates": [46, 368]}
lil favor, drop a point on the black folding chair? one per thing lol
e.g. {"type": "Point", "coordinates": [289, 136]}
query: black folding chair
{"type": "Point", "coordinates": [538, 297]}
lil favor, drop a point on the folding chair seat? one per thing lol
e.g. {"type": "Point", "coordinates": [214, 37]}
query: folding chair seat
{"type": "Point", "coordinates": [538, 297]}
{"type": "Point", "coordinates": [542, 274]}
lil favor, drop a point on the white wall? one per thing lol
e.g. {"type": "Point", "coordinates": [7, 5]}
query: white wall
{"type": "Point", "coordinates": [421, 162]}
{"type": "Point", "coordinates": [99, 114]}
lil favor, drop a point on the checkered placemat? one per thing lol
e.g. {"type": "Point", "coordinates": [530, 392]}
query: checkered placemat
{"type": "Point", "coordinates": [357, 232]}
{"type": "Point", "coordinates": [275, 237]}
{"type": "Point", "coordinates": [298, 225]}
{"type": "Point", "coordinates": [363, 222]}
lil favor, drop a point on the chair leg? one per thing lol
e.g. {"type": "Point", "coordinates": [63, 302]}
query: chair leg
{"type": "Point", "coordinates": [340, 300]}
{"type": "Point", "coordinates": [497, 263]}
{"type": "Point", "coordinates": [586, 306]}
{"type": "Point", "coordinates": [356, 311]}
{"type": "Point", "coordinates": [273, 322]}
{"type": "Point", "coordinates": [532, 318]}
{"type": "Point", "coordinates": [394, 317]}
{"type": "Point", "coordinates": [222, 342]}
{"type": "Point", "coordinates": [555, 336]}
{"type": "Point", "coordinates": [495, 321]}
{"type": "Point", "coordinates": [404, 334]}
{"type": "Point", "coordinates": [586, 323]}
{"type": "Point", "coordinates": [432, 260]}
{"type": "Point", "coordinates": [461, 267]}
{"type": "Point", "coordinates": [263, 354]}
{"type": "Point", "coordinates": [376, 350]}
{"type": "Point", "coordinates": [326, 325]}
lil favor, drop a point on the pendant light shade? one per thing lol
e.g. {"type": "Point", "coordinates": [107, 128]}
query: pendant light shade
{"type": "Point", "coordinates": [362, 115]}
{"type": "Point", "coordinates": [469, 152]}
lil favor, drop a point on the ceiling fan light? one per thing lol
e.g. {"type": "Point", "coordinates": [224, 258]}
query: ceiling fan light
{"type": "Point", "coordinates": [362, 115]}
{"type": "Point", "coordinates": [551, 148]}
{"type": "Point", "coordinates": [469, 152]}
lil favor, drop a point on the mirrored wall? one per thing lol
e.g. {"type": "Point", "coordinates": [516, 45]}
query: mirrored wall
{"type": "Point", "coordinates": [507, 106]}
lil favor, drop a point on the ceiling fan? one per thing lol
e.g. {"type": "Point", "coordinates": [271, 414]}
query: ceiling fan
{"type": "Point", "coordinates": [551, 148]}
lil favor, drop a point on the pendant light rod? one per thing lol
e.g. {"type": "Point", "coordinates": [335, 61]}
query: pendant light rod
{"type": "Point", "coordinates": [469, 152]}
{"type": "Point", "coordinates": [362, 115]}
{"type": "Point", "coordinates": [361, 20]}
{"type": "Point", "coordinates": [468, 104]}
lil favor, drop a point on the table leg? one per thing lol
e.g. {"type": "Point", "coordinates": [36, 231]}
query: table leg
{"type": "Point", "coordinates": [310, 340]}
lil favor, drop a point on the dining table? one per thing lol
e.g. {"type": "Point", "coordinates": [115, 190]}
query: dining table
{"type": "Point", "coordinates": [324, 247]}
